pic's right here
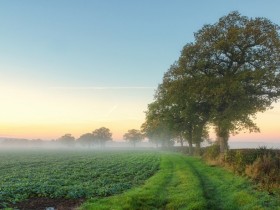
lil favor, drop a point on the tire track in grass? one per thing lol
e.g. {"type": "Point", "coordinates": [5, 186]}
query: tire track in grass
{"type": "Point", "coordinates": [209, 190]}
{"type": "Point", "coordinates": [187, 183]}
{"type": "Point", "coordinates": [184, 191]}
{"type": "Point", "coordinates": [153, 194]}
{"type": "Point", "coordinates": [225, 191]}
{"type": "Point", "coordinates": [173, 187]}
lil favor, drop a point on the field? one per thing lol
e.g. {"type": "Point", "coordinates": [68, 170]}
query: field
{"type": "Point", "coordinates": [70, 174]}
{"type": "Point", "coordinates": [123, 180]}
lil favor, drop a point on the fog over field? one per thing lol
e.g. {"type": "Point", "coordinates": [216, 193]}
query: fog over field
{"type": "Point", "coordinates": [6, 143]}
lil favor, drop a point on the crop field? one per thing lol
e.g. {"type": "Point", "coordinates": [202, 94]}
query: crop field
{"type": "Point", "coordinates": [123, 180]}
{"type": "Point", "coordinates": [70, 174]}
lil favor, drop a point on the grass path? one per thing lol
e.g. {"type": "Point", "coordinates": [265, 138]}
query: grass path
{"type": "Point", "coordinates": [224, 190]}
{"type": "Point", "coordinates": [187, 183]}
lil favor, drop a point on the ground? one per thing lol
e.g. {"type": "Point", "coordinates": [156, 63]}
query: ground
{"type": "Point", "coordinates": [178, 182]}
{"type": "Point", "coordinates": [43, 203]}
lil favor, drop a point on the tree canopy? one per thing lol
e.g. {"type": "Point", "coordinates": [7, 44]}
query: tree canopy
{"type": "Point", "coordinates": [102, 135]}
{"type": "Point", "coordinates": [67, 139]}
{"type": "Point", "coordinates": [228, 74]}
{"type": "Point", "coordinates": [87, 139]}
{"type": "Point", "coordinates": [133, 136]}
{"type": "Point", "coordinates": [156, 128]}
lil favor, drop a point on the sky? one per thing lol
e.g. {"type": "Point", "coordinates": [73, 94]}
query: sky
{"type": "Point", "coordinates": [72, 66]}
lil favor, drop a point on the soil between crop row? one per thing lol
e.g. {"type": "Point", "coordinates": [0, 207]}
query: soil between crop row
{"type": "Point", "coordinates": [51, 204]}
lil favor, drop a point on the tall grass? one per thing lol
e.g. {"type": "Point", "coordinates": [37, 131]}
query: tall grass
{"type": "Point", "coordinates": [262, 165]}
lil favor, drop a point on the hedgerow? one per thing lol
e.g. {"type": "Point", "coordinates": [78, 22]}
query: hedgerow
{"type": "Point", "coordinates": [262, 165]}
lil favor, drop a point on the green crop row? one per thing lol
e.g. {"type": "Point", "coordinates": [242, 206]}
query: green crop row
{"type": "Point", "coordinates": [71, 174]}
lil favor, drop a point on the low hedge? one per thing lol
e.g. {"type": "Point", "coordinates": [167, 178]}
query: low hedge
{"type": "Point", "coordinates": [262, 165]}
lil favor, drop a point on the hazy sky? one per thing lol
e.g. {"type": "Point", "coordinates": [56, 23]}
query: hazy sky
{"type": "Point", "coordinates": [71, 66]}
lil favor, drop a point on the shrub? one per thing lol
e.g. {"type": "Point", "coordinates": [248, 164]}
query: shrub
{"type": "Point", "coordinates": [265, 171]}
{"type": "Point", "coordinates": [212, 152]}
{"type": "Point", "coordinates": [236, 160]}
{"type": "Point", "coordinates": [262, 165]}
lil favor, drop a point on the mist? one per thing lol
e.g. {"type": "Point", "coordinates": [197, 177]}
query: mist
{"type": "Point", "coordinates": [18, 144]}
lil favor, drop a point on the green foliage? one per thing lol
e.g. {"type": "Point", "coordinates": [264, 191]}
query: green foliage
{"type": "Point", "coordinates": [133, 136]}
{"type": "Point", "coordinates": [266, 171]}
{"type": "Point", "coordinates": [67, 139]}
{"type": "Point", "coordinates": [228, 74]}
{"type": "Point", "coordinates": [187, 183]}
{"type": "Point", "coordinates": [212, 152]}
{"type": "Point", "coordinates": [101, 135]}
{"type": "Point", "coordinates": [71, 174]}
{"type": "Point", "coordinates": [86, 139]}
{"type": "Point", "coordinates": [234, 63]}
{"type": "Point", "coordinates": [261, 165]}
{"type": "Point", "coordinates": [175, 186]}
{"type": "Point", "coordinates": [156, 127]}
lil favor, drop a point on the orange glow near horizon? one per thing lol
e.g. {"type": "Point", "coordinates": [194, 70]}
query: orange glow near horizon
{"type": "Point", "coordinates": [48, 113]}
{"type": "Point", "coordinates": [49, 132]}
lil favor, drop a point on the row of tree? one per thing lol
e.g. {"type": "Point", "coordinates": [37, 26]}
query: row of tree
{"type": "Point", "coordinates": [228, 74]}
{"type": "Point", "coordinates": [99, 137]}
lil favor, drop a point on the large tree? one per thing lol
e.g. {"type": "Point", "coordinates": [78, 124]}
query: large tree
{"type": "Point", "coordinates": [133, 136]}
{"type": "Point", "coordinates": [235, 65]}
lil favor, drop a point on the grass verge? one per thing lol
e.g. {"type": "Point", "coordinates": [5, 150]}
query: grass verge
{"type": "Point", "coordinates": [173, 187]}
{"type": "Point", "coordinates": [188, 183]}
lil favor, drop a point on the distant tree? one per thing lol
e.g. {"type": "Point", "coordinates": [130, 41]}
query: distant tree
{"type": "Point", "coordinates": [133, 136]}
{"type": "Point", "coordinates": [102, 135]}
{"type": "Point", "coordinates": [37, 142]}
{"type": "Point", "coordinates": [67, 139]}
{"type": "Point", "coordinates": [86, 139]}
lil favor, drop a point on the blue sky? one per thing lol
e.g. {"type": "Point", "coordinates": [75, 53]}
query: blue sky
{"type": "Point", "coordinates": [65, 49]}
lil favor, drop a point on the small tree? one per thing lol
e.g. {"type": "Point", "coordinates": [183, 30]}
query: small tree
{"type": "Point", "coordinates": [102, 135]}
{"type": "Point", "coordinates": [133, 136]}
{"type": "Point", "coordinates": [67, 139]}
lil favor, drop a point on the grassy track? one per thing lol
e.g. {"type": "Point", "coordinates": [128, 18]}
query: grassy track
{"type": "Point", "coordinates": [187, 183]}
{"type": "Point", "coordinates": [223, 190]}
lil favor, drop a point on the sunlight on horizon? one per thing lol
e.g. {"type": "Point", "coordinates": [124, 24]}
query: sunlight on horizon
{"type": "Point", "coordinates": [48, 113]}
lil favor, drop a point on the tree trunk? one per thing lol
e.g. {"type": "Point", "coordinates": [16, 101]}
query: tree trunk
{"type": "Point", "coordinates": [197, 148]}
{"type": "Point", "coordinates": [190, 147]}
{"type": "Point", "coordinates": [190, 141]}
{"type": "Point", "coordinates": [189, 138]}
{"type": "Point", "coordinates": [181, 141]}
{"type": "Point", "coordinates": [223, 141]}
{"type": "Point", "coordinates": [222, 138]}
